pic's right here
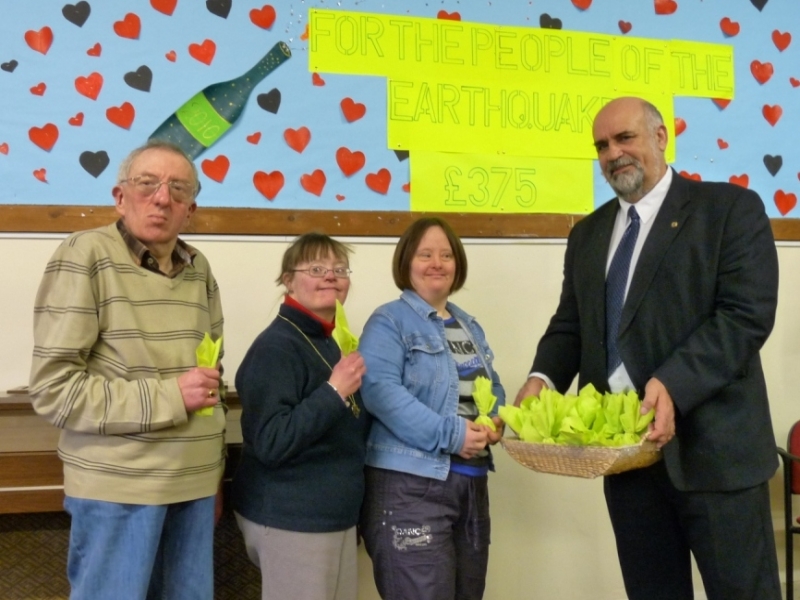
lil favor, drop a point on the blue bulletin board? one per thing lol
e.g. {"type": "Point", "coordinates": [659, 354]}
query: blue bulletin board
{"type": "Point", "coordinates": [83, 83]}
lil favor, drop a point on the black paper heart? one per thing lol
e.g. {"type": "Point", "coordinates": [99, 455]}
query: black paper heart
{"type": "Point", "coordinates": [221, 8]}
{"type": "Point", "coordinates": [94, 163]}
{"type": "Point", "coordinates": [548, 22]}
{"type": "Point", "coordinates": [140, 79]}
{"type": "Point", "coordinates": [759, 4]}
{"type": "Point", "coordinates": [773, 163]}
{"type": "Point", "coordinates": [77, 13]}
{"type": "Point", "coordinates": [271, 101]}
{"type": "Point", "coordinates": [9, 66]}
{"type": "Point", "coordinates": [401, 155]}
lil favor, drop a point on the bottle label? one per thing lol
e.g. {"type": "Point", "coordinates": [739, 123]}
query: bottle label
{"type": "Point", "coordinates": [202, 120]}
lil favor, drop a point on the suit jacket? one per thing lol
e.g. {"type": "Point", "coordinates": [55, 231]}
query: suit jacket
{"type": "Point", "coordinates": [700, 306]}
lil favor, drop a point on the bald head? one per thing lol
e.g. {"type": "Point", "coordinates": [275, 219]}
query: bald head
{"type": "Point", "coordinates": [630, 138]}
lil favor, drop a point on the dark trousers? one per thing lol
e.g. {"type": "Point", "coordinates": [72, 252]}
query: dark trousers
{"type": "Point", "coordinates": [657, 527]}
{"type": "Point", "coordinates": [428, 539]}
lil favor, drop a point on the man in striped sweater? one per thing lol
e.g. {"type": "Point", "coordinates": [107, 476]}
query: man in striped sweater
{"type": "Point", "coordinates": [118, 316]}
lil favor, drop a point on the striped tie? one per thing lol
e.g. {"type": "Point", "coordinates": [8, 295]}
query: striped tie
{"type": "Point", "coordinates": [616, 282]}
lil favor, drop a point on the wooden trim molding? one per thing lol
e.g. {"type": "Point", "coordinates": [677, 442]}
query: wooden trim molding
{"type": "Point", "coordinates": [25, 218]}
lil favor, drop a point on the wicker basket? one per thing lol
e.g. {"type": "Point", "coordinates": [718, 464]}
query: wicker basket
{"type": "Point", "coordinates": [581, 461]}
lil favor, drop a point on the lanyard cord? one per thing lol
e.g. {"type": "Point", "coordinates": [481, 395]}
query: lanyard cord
{"type": "Point", "coordinates": [351, 398]}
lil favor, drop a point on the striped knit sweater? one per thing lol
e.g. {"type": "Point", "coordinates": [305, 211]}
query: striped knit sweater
{"type": "Point", "coordinates": [110, 339]}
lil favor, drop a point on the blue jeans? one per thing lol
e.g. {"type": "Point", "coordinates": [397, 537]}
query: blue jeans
{"type": "Point", "coordinates": [138, 552]}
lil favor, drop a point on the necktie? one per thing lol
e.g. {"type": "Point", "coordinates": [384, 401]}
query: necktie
{"type": "Point", "coordinates": [616, 282]}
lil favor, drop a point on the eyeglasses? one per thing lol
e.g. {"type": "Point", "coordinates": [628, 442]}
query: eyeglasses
{"type": "Point", "coordinates": [320, 271]}
{"type": "Point", "coordinates": [179, 191]}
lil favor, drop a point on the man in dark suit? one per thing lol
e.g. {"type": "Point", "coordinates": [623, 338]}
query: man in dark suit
{"type": "Point", "coordinates": [683, 325]}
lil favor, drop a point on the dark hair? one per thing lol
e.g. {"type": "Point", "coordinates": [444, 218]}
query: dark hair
{"type": "Point", "coordinates": [311, 246]}
{"type": "Point", "coordinates": [409, 243]}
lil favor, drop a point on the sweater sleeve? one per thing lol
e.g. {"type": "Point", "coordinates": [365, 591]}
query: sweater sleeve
{"type": "Point", "coordinates": [66, 328]}
{"type": "Point", "coordinates": [284, 410]}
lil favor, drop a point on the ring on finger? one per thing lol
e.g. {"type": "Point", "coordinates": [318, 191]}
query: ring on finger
{"type": "Point", "coordinates": [212, 393]}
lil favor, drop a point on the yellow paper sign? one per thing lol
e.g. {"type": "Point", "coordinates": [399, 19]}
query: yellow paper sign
{"type": "Point", "coordinates": [490, 118]}
{"type": "Point", "coordinates": [406, 47]}
{"type": "Point", "coordinates": [704, 70]}
{"type": "Point", "coordinates": [499, 184]}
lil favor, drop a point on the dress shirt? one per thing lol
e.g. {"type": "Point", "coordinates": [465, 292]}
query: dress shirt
{"type": "Point", "coordinates": [647, 208]}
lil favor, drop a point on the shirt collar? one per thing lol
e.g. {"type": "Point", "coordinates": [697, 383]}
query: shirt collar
{"type": "Point", "coordinates": [182, 255]}
{"type": "Point", "coordinates": [651, 202]}
{"type": "Point", "coordinates": [327, 327]}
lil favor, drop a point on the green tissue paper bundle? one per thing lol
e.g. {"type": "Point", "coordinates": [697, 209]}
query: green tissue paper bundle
{"type": "Point", "coordinates": [588, 419]}
{"type": "Point", "coordinates": [207, 356]}
{"type": "Point", "coordinates": [484, 400]}
{"type": "Point", "coordinates": [341, 332]}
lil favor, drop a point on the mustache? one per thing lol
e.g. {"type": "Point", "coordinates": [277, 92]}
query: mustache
{"type": "Point", "coordinates": [623, 161]}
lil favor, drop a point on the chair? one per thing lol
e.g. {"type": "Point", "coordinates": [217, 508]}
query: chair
{"type": "Point", "coordinates": [791, 486]}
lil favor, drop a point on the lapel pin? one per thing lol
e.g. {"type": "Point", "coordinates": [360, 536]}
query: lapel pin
{"type": "Point", "coordinates": [674, 224]}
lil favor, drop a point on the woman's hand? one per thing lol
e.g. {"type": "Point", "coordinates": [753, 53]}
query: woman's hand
{"type": "Point", "coordinates": [347, 374]}
{"type": "Point", "coordinates": [492, 437]}
{"type": "Point", "coordinates": [474, 441]}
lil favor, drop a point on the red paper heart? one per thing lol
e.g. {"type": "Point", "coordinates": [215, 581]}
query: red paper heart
{"type": "Point", "coordinates": [164, 6]}
{"type": "Point", "coordinates": [269, 184]}
{"type": "Point", "coordinates": [40, 40]}
{"type": "Point", "coordinates": [314, 183]}
{"type": "Point", "coordinates": [317, 80]}
{"type": "Point", "coordinates": [680, 126]}
{"type": "Point", "coordinates": [781, 40]}
{"type": "Point", "coordinates": [95, 50]}
{"type": "Point", "coordinates": [263, 17]}
{"type": "Point", "coordinates": [729, 28]}
{"type": "Point", "coordinates": [77, 120]}
{"type": "Point", "coordinates": [453, 16]}
{"type": "Point", "coordinates": [171, 56]}
{"type": "Point", "coordinates": [350, 162]}
{"type": "Point", "coordinates": [740, 180]}
{"type": "Point", "coordinates": [407, 187]}
{"type": "Point", "coordinates": [339, 197]}
{"type": "Point", "coordinates": [44, 137]}
{"type": "Point", "coordinates": [624, 26]}
{"type": "Point", "coordinates": [129, 27]}
{"type": "Point", "coordinates": [722, 144]}
{"type": "Point", "coordinates": [41, 175]}
{"type": "Point", "coordinates": [379, 182]}
{"type": "Point", "coordinates": [122, 115]}
{"type": "Point", "coordinates": [297, 139]}
{"type": "Point", "coordinates": [721, 102]}
{"type": "Point", "coordinates": [351, 110]}
{"type": "Point", "coordinates": [38, 90]}
{"type": "Point", "coordinates": [203, 52]}
{"type": "Point", "coordinates": [4, 148]}
{"type": "Point", "coordinates": [89, 86]}
{"type": "Point", "coordinates": [761, 71]}
{"type": "Point", "coordinates": [785, 202]}
{"type": "Point", "coordinates": [582, 4]}
{"type": "Point", "coordinates": [254, 138]}
{"type": "Point", "coordinates": [772, 113]}
{"type": "Point", "coordinates": [794, 82]}
{"type": "Point", "coordinates": [665, 7]}
{"type": "Point", "coordinates": [693, 176]}
{"type": "Point", "coordinates": [217, 168]}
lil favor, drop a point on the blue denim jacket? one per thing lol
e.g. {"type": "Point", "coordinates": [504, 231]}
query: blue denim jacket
{"type": "Point", "coordinates": [411, 386]}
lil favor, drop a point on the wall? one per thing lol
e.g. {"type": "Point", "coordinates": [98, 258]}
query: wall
{"type": "Point", "coordinates": [551, 535]}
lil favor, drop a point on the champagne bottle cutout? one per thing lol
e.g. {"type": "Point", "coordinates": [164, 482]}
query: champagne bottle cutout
{"type": "Point", "coordinates": [207, 115]}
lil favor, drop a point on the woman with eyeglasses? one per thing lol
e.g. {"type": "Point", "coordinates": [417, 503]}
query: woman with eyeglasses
{"type": "Point", "coordinates": [425, 519]}
{"type": "Point", "coordinates": [300, 482]}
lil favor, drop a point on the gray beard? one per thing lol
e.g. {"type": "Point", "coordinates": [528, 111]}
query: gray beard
{"type": "Point", "coordinates": [626, 185]}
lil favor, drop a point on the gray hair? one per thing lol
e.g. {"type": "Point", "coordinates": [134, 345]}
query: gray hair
{"type": "Point", "coordinates": [157, 144]}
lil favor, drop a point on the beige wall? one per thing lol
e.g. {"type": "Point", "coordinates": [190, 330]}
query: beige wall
{"type": "Point", "coordinates": [551, 535]}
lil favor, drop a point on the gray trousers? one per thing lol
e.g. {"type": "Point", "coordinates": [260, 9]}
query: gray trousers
{"type": "Point", "coordinates": [302, 566]}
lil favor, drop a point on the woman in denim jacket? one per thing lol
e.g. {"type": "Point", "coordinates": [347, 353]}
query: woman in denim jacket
{"type": "Point", "coordinates": [425, 518]}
